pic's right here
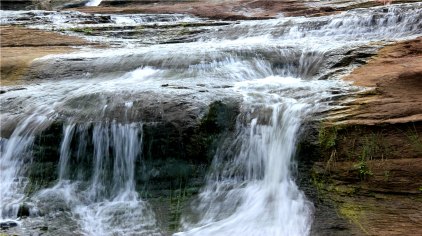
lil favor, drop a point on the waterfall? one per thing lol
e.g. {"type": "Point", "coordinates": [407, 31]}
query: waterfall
{"type": "Point", "coordinates": [107, 203]}
{"type": "Point", "coordinates": [15, 152]}
{"type": "Point", "coordinates": [11, 185]}
{"type": "Point", "coordinates": [250, 189]}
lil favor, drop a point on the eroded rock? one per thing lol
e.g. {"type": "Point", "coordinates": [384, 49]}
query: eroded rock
{"type": "Point", "coordinates": [369, 164]}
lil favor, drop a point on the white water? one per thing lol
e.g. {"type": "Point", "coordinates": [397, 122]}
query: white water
{"type": "Point", "coordinates": [15, 152]}
{"type": "Point", "coordinates": [93, 3]}
{"type": "Point", "coordinates": [11, 187]}
{"type": "Point", "coordinates": [251, 190]}
{"type": "Point", "coordinates": [272, 65]}
{"type": "Point", "coordinates": [109, 203]}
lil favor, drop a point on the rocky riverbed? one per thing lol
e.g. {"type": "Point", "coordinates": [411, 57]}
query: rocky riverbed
{"type": "Point", "coordinates": [194, 92]}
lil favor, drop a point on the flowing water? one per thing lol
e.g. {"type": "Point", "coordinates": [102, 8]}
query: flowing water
{"type": "Point", "coordinates": [93, 3]}
{"type": "Point", "coordinates": [273, 67]}
{"type": "Point", "coordinates": [15, 152]}
{"type": "Point", "coordinates": [108, 203]}
{"type": "Point", "coordinates": [251, 190]}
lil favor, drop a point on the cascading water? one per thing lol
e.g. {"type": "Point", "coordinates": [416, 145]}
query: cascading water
{"type": "Point", "coordinates": [108, 203]}
{"type": "Point", "coordinates": [272, 66]}
{"type": "Point", "coordinates": [15, 153]}
{"type": "Point", "coordinates": [93, 3]}
{"type": "Point", "coordinates": [252, 191]}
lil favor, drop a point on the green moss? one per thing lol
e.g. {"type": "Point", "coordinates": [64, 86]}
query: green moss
{"type": "Point", "coordinates": [327, 137]}
{"type": "Point", "coordinates": [372, 146]}
{"type": "Point", "coordinates": [184, 31]}
{"type": "Point", "coordinates": [319, 183]}
{"type": "Point", "coordinates": [185, 24]}
{"type": "Point", "coordinates": [350, 211]}
{"type": "Point", "coordinates": [326, 187]}
{"type": "Point", "coordinates": [178, 199]}
{"type": "Point", "coordinates": [366, 146]}
{"type": "Point", "coordinates": [345, 190]}
{"type": "Point", "coordinates": [87, 31]}
{"type": "Point", "coordinates": [364, 171]}
{"type": "Point", "coordinates": [42, 170]}
{"type": "Point", "coordinates": [414, 138]}
{"type": "Point", "coordinates": [41, 175]}
{"type": "Point", "coordinates": [354, 213]}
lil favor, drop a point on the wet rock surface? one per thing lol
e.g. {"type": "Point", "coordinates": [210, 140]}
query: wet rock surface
{"type": "Point", "coordinates": [372, 150]}
{"type": "Point", "coordinates": [20, 46]}
{"type": "Point", "coordinates": [177, 151]}
{"type": "Point", "coordinates": [16, 5]}
{"type": "Point", "coordinates": [27, 36]}
{"type": "Point", "coordinates": [235, 10]}
{"type": "Point", "coordinates": [375, 165]}
{"type": "Point", "coordinates": [327, 218]}
{"type": "Point", "coordinates": [7, 224]}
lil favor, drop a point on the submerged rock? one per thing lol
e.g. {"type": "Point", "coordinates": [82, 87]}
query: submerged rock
{"type": "Point", "coordinates": [7, 224]}
{"type": "Point", "coordinates": [24, 210]}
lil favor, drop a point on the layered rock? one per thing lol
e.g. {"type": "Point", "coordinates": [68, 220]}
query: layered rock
{"type": "Point", "coordinates": [20, 46]}
{"type": "Point", "coordinates": [234, 10]}
{"type": "Point", "coordinates": [371, 152]}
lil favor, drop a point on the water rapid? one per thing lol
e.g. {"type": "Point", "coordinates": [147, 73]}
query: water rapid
{"type": "Point", "coordinates": [93, 109]}
{"type": "Point", "coordinates": [93, 3]}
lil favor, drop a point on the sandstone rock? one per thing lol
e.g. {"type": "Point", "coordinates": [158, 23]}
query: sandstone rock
{"type": "Point", "coordinates": [57, 4]}
{"type": "Point", "coordinates": [370, 154]}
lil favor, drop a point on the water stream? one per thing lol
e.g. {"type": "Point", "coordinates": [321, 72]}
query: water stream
{"type": "Point", "coordinates": [108, 203]}
{"type": "Point", "coordinates": [103, 96]}
{"type": "Point", "coordinates": [250, 189]}
{"type": "Point", "coordinates": [93, 3]}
